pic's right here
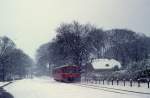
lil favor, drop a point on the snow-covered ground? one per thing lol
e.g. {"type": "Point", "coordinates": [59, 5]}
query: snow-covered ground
{"type": "Point", "coordinates": [128, 89]}
{"type": "Point", "coordinates": [48, 88]}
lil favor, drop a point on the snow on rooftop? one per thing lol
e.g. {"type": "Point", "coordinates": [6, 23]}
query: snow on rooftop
{"type": "Point", "coordinates": [105, 63]}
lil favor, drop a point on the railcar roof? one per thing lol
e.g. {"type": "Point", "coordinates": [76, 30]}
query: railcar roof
{"type": "Point", "coordinates": [66, 66]}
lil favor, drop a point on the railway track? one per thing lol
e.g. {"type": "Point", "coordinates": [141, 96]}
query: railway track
{"type": "Point", "coordinates": [5, 84]}
{"type": "Point", "coordinates": [114, 90]}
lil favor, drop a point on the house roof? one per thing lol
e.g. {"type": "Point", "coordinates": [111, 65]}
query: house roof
{"type": "Point", "coordinates": [105, 63]}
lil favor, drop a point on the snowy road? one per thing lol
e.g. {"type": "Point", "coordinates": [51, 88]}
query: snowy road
{"type": "Point", "coordinates": [46, 88]}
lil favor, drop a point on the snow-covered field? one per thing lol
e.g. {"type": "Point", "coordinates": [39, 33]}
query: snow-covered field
{"type": "Point", "coordinates": [48, 88]}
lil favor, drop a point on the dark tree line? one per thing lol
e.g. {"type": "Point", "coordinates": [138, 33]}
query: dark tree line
{"type": "Point", "coordinates": [77, 44]}
{"type": "Point", "coordinates": [42, 58]}
{"type": "Point", "coordinates": [13, 61]}
{"type": "Point", "coordinates": [127, 46]}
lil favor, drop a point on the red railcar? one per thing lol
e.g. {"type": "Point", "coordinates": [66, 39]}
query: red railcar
{"type": "Point", "coordinates": [67, 73]}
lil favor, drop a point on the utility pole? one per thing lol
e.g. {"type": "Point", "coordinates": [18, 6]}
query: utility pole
{"type": "Point", "coordinates": [51, 69]}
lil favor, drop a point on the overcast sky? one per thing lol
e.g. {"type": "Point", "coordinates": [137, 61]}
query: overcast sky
{"type": "Point", "coordinates": [30, 23]}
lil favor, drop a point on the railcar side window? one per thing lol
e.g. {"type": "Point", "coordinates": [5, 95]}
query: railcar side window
{"type": "Point", "coordinates": [71, 70]}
